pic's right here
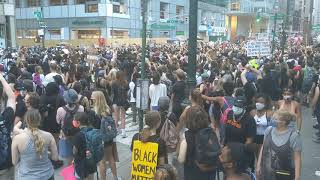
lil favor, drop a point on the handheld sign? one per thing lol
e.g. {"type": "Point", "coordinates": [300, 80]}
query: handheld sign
{"type": "Point", "coordinates": [144, 160]}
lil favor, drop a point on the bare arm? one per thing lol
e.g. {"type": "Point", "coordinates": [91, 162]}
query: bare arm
{"type": "Point", "coordinates": [218, 99]}
{"type": "Point", "coordinates": [182, 151]}
{"type": "Point", "coordinates": [53, 149]}
{"type": "Point", "coordinates": [17, 119]}
{"type": "Point", "coordinates": [315, 98]}
{"type": "Point", "coordinates": [297, 165]}
{"type": "Point", "coordinates": [299, 118]}
{"type": "Point", "coordinates": [243, 77]}
{"type": "Point", "coordinates": [259, 162]}
{"type": "Point", "coordinates": [15, 150]}
{"type": "Point", "coordinates": [7, 89]}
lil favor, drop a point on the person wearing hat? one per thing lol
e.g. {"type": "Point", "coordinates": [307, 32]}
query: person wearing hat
{"type": "Point", "coordinates": [71, 98]}
{"type": "Point", "coordinates": [240, 126]}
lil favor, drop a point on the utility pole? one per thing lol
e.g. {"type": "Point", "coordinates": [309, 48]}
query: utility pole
{"type": "Point", "coordinates": [285, 27]}
{"type": "Point", "coordinates": [276, 9]}
{"type": "Point", "coordinates": [143, 57]}
{"type": "Point", "coordinates": [44, 29]}
{"type": "Point", "coordinates": [192, 43]}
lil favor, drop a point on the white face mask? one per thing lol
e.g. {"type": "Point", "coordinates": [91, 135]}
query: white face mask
{"type": "Point", "coordinates": [237, 111]}
{"type": "Point", "coordinates": [287, 98]}
{"type": "Point", "coordinates": [260, 106]}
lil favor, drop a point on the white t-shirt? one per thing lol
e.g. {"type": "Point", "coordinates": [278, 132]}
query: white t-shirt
{"type": "Point", "coordinates": [155, 92]}
{"type": "Point", "coordinates": [49, 78]}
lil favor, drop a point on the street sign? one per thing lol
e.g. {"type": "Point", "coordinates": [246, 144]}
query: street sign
{"type": "Point", "coordinates": [162, 27]}
{"type": "Point", "coordinates": [42, 24]}
{"type": "Point", "coordinates": [316, 27]}
{"type": "Point", "coordinates": [37, 14]}
{"type": "Point", "coordinates": [279, 17]}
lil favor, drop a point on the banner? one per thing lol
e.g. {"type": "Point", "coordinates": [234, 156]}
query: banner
{"type": "Point", "coordinates": [144, 160]}
{"type": "Point", "coordinates": [258, 48]}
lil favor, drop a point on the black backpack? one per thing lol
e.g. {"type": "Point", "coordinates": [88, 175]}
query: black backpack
{"type": "Point", "coordinates": [68, 128]}
{"type": "Point", "coordinates": [4, 141]}
{"type": "Point", "coordinates": [207, 150]}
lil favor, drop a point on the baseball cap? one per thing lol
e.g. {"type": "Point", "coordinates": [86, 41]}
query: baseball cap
{"type": "Point", "coordinates": [70, 96]}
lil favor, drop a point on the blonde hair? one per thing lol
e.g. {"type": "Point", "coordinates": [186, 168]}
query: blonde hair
{"type": "Point", "coordinates": [284, 115]}
{"type": "Point", "coordinates": [100, 106]}
{"type": "Point", "coordinates": [39, 70]}
{"type": "Point", "coordinates": [33, 120]}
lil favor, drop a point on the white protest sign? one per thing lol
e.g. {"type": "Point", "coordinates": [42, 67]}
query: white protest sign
{"type": "Point", "coordinates": [256, 48]}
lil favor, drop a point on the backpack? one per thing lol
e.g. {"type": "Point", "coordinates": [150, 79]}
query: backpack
{"type": "Point", "coordinates": [108, 129]}
{"type": "Point", "coordinates": [308, 77]}
{"type": "Point", "coordinates": [4, 141]}
{"type": "Point", "coordinates": [168, 134]}
{"type": "Point", "coordinates": [224, 113]}
{"type": "Point", "coordinates": [94, 146]}
{"type": "Point", "coordinates": [68, 129]}
{"type": "Point", "coordinates": [207, 150]}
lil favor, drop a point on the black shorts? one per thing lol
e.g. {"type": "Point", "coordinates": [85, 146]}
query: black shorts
{"type": "Point", "coordinates": [259, 139]}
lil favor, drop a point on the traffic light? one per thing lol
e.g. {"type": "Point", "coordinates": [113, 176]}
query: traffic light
{"type": "Point", "coordinates": [258, 17]}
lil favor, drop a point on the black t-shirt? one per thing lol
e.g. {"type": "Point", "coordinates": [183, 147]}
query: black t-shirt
{"type": "Point", "coordinates": [82, 169]}
{"type": "Point", "coordinates": [239, 130]}
{"type": "Point", "coordinates": [162, 149]}
{"type": "Point", "coordinates": [178, 90]}
{"type": "Point", "coordinates": [21, 108]}
{"type": "Point", "coordinates": [8, 117]}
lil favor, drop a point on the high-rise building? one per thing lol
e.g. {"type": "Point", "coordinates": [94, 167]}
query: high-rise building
{"type": "Point", "coordinates": [7, 24]}
{"type": "Point", "coordinates": [316, 12]}
{"type": "Point", "coordinates": [80, 19]}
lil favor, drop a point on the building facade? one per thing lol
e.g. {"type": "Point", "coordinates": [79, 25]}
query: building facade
{"type": "Point", "coordinates": [81, 19]}
{"type": "Point", "coordinates": [7, 24]}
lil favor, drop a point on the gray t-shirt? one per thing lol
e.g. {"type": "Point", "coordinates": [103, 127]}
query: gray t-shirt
{"type": "Point", "coordinates": [281, 138]}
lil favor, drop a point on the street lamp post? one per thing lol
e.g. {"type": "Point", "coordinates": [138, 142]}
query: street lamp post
{"type": "Point", "coordinates": [192, 43]}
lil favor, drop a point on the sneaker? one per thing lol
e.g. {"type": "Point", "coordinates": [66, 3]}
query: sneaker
{"type": "Point", "coordinates": [123, 133]}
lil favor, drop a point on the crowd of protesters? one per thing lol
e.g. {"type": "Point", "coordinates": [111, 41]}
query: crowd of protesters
{"type": "Point", "coordinates": [243, 117]}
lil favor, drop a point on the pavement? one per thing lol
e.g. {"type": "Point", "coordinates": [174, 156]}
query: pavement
{"type": "Point", "coordinates": [310, 151]}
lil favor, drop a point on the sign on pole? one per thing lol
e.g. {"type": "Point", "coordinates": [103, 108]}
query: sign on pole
{"type": "Point", "coordinates": [258, 48]}
{"type": "Point", "coordinates": [144, 160]}
{"type": "Point", "coordinates": [142, 94]}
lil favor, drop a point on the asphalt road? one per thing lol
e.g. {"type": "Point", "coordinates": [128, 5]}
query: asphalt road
{"type": "Point", "coordinates": [310, 152]}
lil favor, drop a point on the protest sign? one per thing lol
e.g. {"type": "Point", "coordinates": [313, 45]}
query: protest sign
{"type": "Point", "coordinates": [256, 48]}
{"type": "Point", "coordinates": [144, 160]}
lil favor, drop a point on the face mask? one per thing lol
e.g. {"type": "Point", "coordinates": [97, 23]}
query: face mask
{"type": "Point", "coordinates": [237, 111]}
{"type": "Point", "coordinates": [22, 93]}
{"type": "Point", "coordinates": [287, 98]}
{"type": "Point", "coordinates": [260, 106]}
{"type": "Point", "coordinates": [273, 122]}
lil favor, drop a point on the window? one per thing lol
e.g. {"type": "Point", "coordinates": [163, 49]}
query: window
{"type": "Point", "coordinates": [18, 3]}
{"type": "Point", "coordinates": [58, 2]}
{"type": "Point", "coordinates": [89, 34]}
{"type": "Point", "coordinates": [19, 33]}
{"type": "Point", "coordinates": [2, 30]}
{"type": "Point", "coordinates": [179, 12]}
{"type": "Point", "coordinates": [120, 6]}
{"type": "Point", "coordinates": [33, 3]}
{"type": "Point", "coordinates": [31, 33]}
{"type": "Point", "coordinates": [80, 1]}
{"type": "Point", "coordinates": [54, 31]}
{"type": "Point", "coordinates": [119, 34]}
{"type": "Point", "coordinates": [116, 8]}
{"type": "Point", "coordinates": [235, 6]}
{"type": "Point", "coordinates": [164, 10]}
{"type": "Point", "coordinates": [91, 8]}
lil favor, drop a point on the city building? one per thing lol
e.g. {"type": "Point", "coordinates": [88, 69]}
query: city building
{"type": "Point", "coordinates": [316, 12]}
{"type": "Point", "coordinates": [7, 24]}
{"type": "Point", "coordinates": [248, 17]}
{"type": "Point", "coordinates": [81, 19]}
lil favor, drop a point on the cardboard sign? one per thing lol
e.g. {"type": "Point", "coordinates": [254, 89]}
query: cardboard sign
{"type": "Point", "coordinates": [258, 48]}
{"type": "Point", "coordinates": [144, 160]}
